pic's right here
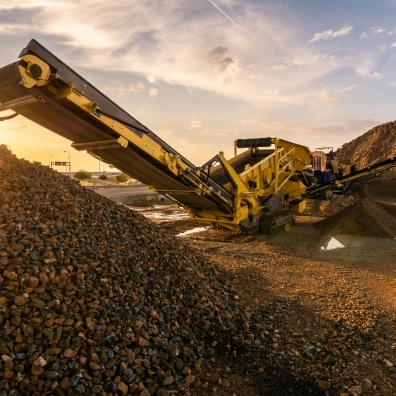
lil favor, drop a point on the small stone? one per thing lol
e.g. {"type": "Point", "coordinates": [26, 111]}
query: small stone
{"type": "Point", "coordinates": [168, 380]}
{"type": "Point", "coordinates": [37, 370]}
{"type": "Point", "coordinates": [20, 301]}
{"type": "Point", "coordinates": [69, 353]}
{"type": "Point", "coordinates": [40, 361]}
{"type": "Point", "coordinates": [95, 366]}
{"type": "Point", "coordinates": [323, 384]}
{"type": "Point", "coordinates": [214, 377]}
{"type": "Point", "coordinates": [189, 379]}
{"type": "Point", "coordinates": [34, 282]}
{"type": "Point", "coordinates": [173, 351]}
{"type": "Point", "coordinates": [97, 389]}
{"type": "Point", "coordinates": [65, 383]}
{"type": "Point", "coordinates": [8, 374]}
{"type": "Point", "coordinates": [388, 363]}
{"type": "Point", "coordinates": [186, 370]}
{"type": "Point", "coordinates": [355, 390]}
{"type": "Point", "coordinates": [82, 360]}
{"type": "Point", "coordinates": [260, 370]}
{"type": "Point", "coordinates": [123, 388]}
{"type": "Point", "coordinates": [366, 383]}
{"type": "Point", "coordinates": [143, 342]}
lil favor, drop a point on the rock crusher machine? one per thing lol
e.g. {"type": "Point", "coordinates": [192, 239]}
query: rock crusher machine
{"type": "Point", "coordinates": [259, 190]}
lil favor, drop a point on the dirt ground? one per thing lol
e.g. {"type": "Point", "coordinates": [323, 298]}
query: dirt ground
{"type": "Point", "coordinates": [315, 290]}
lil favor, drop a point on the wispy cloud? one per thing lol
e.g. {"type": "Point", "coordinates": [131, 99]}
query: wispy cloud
{"type": "Point", "coordinates": [132, 87]}
{"type": "Point", "coordinates": [330, 34]}
{"type": "Point", "coordinates": [325, 97]}
{"type": "Point", "coordinates": [363, 36]}
{"type": "Point", "coordinates": [153, 92]}
{"type": "Point", "coordinates": [195, 124]}
{"type": "Point", "coordinates": [377, 30]}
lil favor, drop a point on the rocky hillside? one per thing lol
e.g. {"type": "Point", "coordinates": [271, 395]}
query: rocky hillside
{"type": "Point", "coordinates": [375, 145]}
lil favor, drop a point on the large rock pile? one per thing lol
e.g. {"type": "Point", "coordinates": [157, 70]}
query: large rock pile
{"type": "Point", "coordinates": [375, 145]}
{"type": "Point", "coordinates": [95, 299]}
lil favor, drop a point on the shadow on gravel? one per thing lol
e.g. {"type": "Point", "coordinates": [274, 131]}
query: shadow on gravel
{"type": "Point", "coordinates": [301, 352]}
{"type": "Point", "coordinates": [274, 381]}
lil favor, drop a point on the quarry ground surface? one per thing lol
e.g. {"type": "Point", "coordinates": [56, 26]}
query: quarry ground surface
{"type": "Point", "coordinates": [323, 291]}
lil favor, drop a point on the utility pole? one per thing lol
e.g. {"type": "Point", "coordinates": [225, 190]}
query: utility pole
{"type": "Point", "coordinates": [69, 162]}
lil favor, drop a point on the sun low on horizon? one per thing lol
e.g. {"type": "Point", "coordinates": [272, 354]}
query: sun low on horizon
{"type": "Point", "coordinates": [202, 74]}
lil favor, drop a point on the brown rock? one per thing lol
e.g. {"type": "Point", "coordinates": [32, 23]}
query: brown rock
{"type": "Point", "coordinates": [37, 370]}
{"type": "Point", "coordinates": [90, 323]}
{"type": "Point", "coordinates": [40, 361]}
{"type": "Point", "coordinates": [20, 301]}
{"type": "Point", "coordinates": [355, 390]}
{"type": "Point", "coordinates": [324, 384]}
{"type": "Point", "coordinates": [69, 353]}
{"type": "Point", "coordinates": [8, 374]}
{"type": "Point", "coordinates": [34, 282]}
{"type": "Point", "coordinates": [189, 379]}
{"type": "Point", "coordinates": [95, 366]}
{"type": "Point", "coordinates": [366, 383]}
{"type": "Point", "coordinates": [65, 383]}
{"type": "Point", "coordinates": [168, 380]}
{"type": "Point", "coordinates": [123, 388]}
{"type": "Point", "coordinates": [214, 377]}
{"type": "Point", "coordinates": [143, 342]}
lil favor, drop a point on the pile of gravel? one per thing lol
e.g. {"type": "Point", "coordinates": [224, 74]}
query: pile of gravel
{"type": "Point", "coordinates": [377, 144]}
{"type": "Point", "coordinates": [95, 298]}
{"type": "Point", "coordinates": [365, 217]}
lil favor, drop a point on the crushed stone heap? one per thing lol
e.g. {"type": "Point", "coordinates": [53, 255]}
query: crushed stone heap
{"type": "Point", "coordinates": [94, 298]}
{"type": "Point", "coordinates": [364, 217]}
{"type": "Point", "coordinates": [378, 144]}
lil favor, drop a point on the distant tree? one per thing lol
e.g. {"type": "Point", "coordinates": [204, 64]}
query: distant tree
{"type": "Point", "coordinates": [122, 178]}
{"type": "Point", "coordinates": [103, 177]}
{"type": "Point", "coordinates": [82, 175]}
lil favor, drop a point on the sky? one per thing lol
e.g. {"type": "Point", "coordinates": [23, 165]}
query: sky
{"type": "Point", "coordinates": [203, 73]}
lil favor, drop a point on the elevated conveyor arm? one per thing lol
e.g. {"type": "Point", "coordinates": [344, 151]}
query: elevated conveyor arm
{"type": "Point", "coordinates": [43, 89]}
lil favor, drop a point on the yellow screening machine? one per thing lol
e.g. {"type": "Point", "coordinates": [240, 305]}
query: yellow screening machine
{"type": "Point", "coordinates": [259, 190]}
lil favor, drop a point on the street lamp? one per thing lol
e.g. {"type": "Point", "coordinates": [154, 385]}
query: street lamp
{"type": "Point", "coordinates": [50, 160]}
{"type": "Point", "coordinates": [69, 161]}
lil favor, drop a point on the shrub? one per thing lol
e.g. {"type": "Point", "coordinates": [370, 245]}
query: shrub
{"type": "Point", "coordinates": [103, 177]}
{"type": "Point", "coordinates": [82, 175]}
{"type": "Point", "coordinates": [122, 178]}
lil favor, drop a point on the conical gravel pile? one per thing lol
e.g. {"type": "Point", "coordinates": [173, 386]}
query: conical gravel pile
{"type": "Point", "coordinates": [94, 298]}
{"type": "Point", "coordinates": [364, 217]}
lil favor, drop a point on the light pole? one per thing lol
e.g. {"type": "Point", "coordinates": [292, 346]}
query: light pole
{"type": "Point", "coordinates": [69, 162]}
{"type": "Point", "coordinates": [50, 160]}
